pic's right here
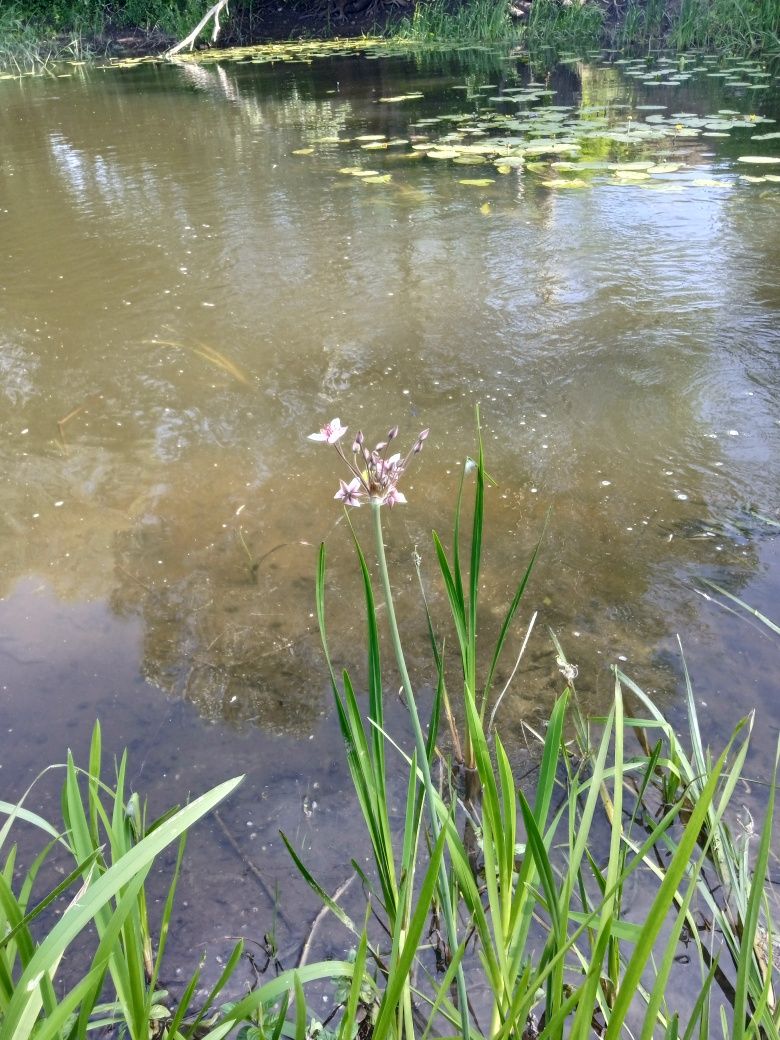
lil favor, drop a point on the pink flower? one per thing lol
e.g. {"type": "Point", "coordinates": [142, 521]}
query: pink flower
{"type": "Point", "coordinates": [375, 475]}
{"type": "Point", "coordinates": [330, 432]}
{"type": "Point", "coordinates": [394, 497]}
{"type": "Point", "coordinates": [350, 494]}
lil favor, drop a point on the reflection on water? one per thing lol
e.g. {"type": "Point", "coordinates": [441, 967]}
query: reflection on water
{"type": "Point", "coordinates": [183, 299]}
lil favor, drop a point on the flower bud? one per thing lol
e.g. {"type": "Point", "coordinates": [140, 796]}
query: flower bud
{"type": "Point", "coordinates": [419, 442]}
{"type": "Point", "coordinates": [392, 433]}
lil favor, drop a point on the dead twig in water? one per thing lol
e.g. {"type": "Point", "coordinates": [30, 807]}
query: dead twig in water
{"type": "Point", "coordinates": [250, 866]}
{"type": "Point", "coordinates": [61, 423]}
{"type": "Point", "coordinates": [321, 914]}
{"type": "Point", "coordinates": [189, 41]}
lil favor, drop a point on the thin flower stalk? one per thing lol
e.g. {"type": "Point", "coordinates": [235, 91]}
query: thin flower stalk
{"type": "Point", "coordinates": [422, 760]}
{"type": "Point", "coordinates": [375, 475]}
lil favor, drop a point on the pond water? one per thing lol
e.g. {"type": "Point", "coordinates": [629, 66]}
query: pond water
{"type": "Point", "coordinates": [197, 271]}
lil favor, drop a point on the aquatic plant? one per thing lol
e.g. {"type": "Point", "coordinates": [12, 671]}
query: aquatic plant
{"type": "Point", "coordinates": [733, 26]}
{"type": "Point", "coordinates": [574, 26]}
{"type": "Point", "coordinates": [376, 476]}
{"type": "Point", "coordinates": [113, 846]}
{"type": "Point", "coordinates": [544, 885]}
{"type": "Point", "coordinates": [440, 20]}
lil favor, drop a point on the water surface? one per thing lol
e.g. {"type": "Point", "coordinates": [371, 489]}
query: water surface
{"type": "Point", "coordinates": [189, 286]}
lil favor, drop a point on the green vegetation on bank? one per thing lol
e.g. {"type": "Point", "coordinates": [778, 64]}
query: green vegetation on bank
{"type": "Point", "coordinates": [619, 895]}
{"type": "Point", "coordinates": [30, 28]}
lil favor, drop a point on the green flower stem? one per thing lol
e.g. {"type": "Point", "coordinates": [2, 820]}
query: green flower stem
{"type": "Point", "coordinates": [422, 761]}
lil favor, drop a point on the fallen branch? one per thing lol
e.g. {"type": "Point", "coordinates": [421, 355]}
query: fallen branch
{"type": "Point", "coordinates": [189, 41]}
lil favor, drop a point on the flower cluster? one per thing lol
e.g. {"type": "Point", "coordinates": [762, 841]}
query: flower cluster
{"type": "Point", "coordinates": [375, 475]}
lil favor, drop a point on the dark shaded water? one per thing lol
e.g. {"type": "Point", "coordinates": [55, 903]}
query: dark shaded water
{"type": "Point", "coordinates": [189, 286]}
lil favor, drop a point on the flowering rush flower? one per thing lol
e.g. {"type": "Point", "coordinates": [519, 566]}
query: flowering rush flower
{"type": "Point", "coordinates": [375, 474]}
{"type": "Point", "coordinates": [330, 432]}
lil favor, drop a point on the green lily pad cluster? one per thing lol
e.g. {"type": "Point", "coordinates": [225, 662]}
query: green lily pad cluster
{"type": "Point", "coordinates": [622, 140]}
{"type": "Point", "coordinates": [633, 133]}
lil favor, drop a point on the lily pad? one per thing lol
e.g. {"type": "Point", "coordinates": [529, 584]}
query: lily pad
{"type": "Point", "coordinates": [632, 167]}
{"type": "Point", "coordinates": [710, 182]}
{"type": "Point", "coordinates": [565, 182]}
{"type": "Point", "coordinates": [477, 182]}
{"type": "Point", "coordinates": [767, 160]}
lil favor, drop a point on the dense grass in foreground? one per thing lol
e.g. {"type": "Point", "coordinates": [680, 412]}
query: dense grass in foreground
{"type": "Point", "coordinates": [32, 30]}
{"type": "Point", "coordinates": [491, 910]}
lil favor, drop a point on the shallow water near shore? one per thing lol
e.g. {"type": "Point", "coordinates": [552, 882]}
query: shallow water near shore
{"type": "Point", "coordinates": [202, 262]}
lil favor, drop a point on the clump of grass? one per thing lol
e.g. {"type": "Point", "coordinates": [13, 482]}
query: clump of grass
{"type": "Point", "coordinates": [113, 847]}
{"type": "Point", "coordinates": [732, 26]}
{"type": "Point", "coordinates": [29, 47]}
{"type": "Point", "coordinates": [641, 24]}
{"type": "Point", "coordinates": [574, 26]}
{"type": "Point", "coordinates": [441, 20]}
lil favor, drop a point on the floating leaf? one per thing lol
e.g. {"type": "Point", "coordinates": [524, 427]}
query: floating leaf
{"type": "Point", "coordinates": [632, 167]}
{"type": "Point", "coordinates": [303, 151]}
{"type": "Point", "coordinates": [381, 178]}
{"type": "Point", "coordinates": [767, 160]}
{"type": "Point", "coordinates": [402, 97]}
{"type": "Point", "coordinates": [477, 182]}
{"type": "Point", "coordinates": [563, 182]}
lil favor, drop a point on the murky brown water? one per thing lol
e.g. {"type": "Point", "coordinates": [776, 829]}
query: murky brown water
{"type": "Point", "coordinates": [161, 505]}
